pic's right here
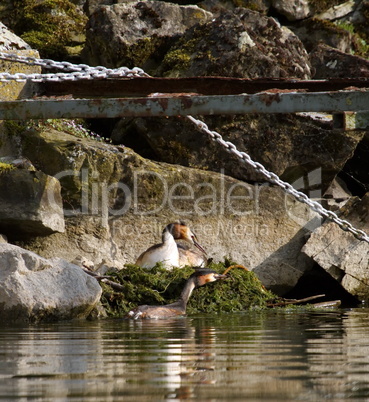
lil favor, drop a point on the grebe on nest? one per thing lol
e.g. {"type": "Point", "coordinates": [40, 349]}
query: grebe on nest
{"type": "Point", "coordinates": [171, 254]}
{"type": "Point", "coordinates": [201, 277]}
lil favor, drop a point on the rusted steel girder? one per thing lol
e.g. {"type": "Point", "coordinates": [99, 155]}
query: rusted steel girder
{"type": "Point", "coordinates": [143, 86]}
{"type": "Point", "coordinates": [265, 102]}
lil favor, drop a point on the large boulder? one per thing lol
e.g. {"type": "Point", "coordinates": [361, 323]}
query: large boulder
{"type": "Point", "coordinates": [332, 63]}
{"type": "Point", "coordinates": [11, 43]}
{"type": "Point", "coordinates": [70, 160]}
{"type": "Point", "coordinates": [137, 33]}
{"type": "Point", "coordinates": [34, 289]}
{"type": "Point", "coordinates": [301, 9]}
{"type": "Point", "coordinates": [242, 43]}
{"type": "Point", "coordinates": [30, 203]}
{"type": "Point", "coordinates": [290, 146]}
{"type": "Point", "coordinates": [314, 31]}
{"type": "Point", "coordinates": [12, 90]}
{"type": "Point", "coordinates": [55, 28]}
{"type": "Point", "coordinates": [219, 6]}
{"type": "Point", "coordinates": [343, 256]}
{"type": "Point", "coordinates": [123, 202]}
{"type": "Point", "coordinates": [293, 10]}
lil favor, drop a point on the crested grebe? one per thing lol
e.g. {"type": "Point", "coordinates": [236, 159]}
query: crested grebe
{"type": "Point", "coordinates": [191, 256]}
{"type": "Point", "coordinates": [169, 253]}
{"type": "Point", "coordinates": [201, 277]}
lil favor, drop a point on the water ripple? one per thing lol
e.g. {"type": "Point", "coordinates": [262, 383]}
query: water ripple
{"type": "Point", "coordinates": [271, 355]}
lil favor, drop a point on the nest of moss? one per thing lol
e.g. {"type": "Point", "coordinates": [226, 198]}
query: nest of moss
{"type": "Point", "coordinates": [241, 291]}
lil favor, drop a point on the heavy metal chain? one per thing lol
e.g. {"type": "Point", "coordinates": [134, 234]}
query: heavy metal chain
{"type": "Point", "coordinates": [273, 178]}
{"type": "Point", "coordinates": [83, 71]}
{"type": "Point", "coordinates": [73, 72]}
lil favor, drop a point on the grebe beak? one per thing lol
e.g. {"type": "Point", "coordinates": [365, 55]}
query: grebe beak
{"type": "Point", "coordinates": [220, 276]}
{"type": "Point", "coordinates": [196, 244]}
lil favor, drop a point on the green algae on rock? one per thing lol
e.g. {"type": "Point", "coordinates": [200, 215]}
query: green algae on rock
{"type": "Point", "coordinates": [53, 27]}
{"type": "Point", "coordinates": [158, 286]}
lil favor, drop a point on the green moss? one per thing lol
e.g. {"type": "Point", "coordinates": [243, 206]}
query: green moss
{"type": "Point", "coordinates": [178, 59]}
{"type": "Point", "coordinates": [361, 37]}
{"type": "Point", "coordinates": [158, 286]}
{"type": "Point", "coordinates": [254, 6]}
{"type": "Point", "coordinates": [6, 167]}
{"type": "Point", "coordinates": [50, 26]}
{"type": "Point", "coordinates": [346, 26]}
{"type": "Point", "coordinates": [141, 51]}
{"type": "Point", "coordinates": [14, 127]}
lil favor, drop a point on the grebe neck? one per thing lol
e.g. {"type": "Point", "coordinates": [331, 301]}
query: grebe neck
{"type": "Point", "coordinates": [187, 291]}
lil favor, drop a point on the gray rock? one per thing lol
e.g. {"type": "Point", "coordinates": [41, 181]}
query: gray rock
{"type": "Point", "coordinates": [138, 33]}
{"type": "Point", "coordinates": [12, 90]}
{"type": "Point", "coordinates": [289, 145]}
{"type": "Point", "coordinates": [343, 256]}
{"type": "Point", "coordinates": [339, 11]}
{"type": "Point", "coordinates": [30, 203]}
{"type": "Point", "coordinates": [34, 289]}
{"type": "Point", "coordinates": [219, 6]}
{"type": "Point", "coordinates": [126, 201]}
{"type": "Point", "coordinates": [9, 41]}
{"type": "Point", "coordinates": [314, 31]}
{"type": "Point", "coordinates": [242, 43]}
{"type": "Point", "coordinates": [13, 44]}
{"type": "Point", "coordinates": [301, 9]}
{"type": "Point", "coordinates": [293, 10]}
{"type": "Point", "coordinates": [18, 162]}
{"type": "Point", "coordinates": [337, 195]}
{"type": "Point", "coordinates": [358, 18]}
{"type": "Point", "coordinates": [331, 63]}
{"type": "Point", "coordinates": [91, 6]}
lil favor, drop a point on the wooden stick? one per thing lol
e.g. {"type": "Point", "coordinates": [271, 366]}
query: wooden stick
{"type": "Point", "coordinates": [235, 266]}
{"type": "Point", "coordinates": [333, 303]}
{"type": "Point", "coordinates": [286, 302]}
{"type": "Point", "coordinates": [105, 279]}
{"type": "Point", "coordinates": [114, 285]}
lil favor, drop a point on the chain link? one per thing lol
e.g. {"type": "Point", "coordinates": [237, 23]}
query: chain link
{"type": "Point", "coordinates": [76, 72]}
{"type": "Point", "coordinates": [73, 72]}
{"type": "Point", "coordinates": [273, 178]}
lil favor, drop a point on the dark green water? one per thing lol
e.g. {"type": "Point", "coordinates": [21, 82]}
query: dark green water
{"type": "Point", "coordinates": [270, 356]}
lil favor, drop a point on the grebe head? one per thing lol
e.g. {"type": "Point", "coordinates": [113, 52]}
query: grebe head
{"type": "Point", "coordinates": [202, 276]}
{"type": "Point", "coordinates": [180, 230]}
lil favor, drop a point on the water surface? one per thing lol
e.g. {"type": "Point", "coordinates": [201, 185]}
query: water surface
{"type": "Point", "coordinates": [270, 355]}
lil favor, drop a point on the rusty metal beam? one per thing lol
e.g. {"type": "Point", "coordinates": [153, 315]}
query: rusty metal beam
{"type": "Point", "coordinates": [266, 102]}
{"type": "Point", "coordinates": [142, 86]}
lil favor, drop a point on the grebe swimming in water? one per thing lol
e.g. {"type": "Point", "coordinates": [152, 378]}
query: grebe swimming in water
{"type": "Point", "coordinates": [201, 277]}
{"type": "Point", "coordinates": [171, 254]}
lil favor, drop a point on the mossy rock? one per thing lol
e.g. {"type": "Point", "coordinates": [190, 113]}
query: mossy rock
{"type": "Point", "coordinates": [62, 148]}
{"type": "Point", "coordinates": [158, 286]}
{"type": "Point", "coordinates": [53, 27]}
{"type": "Point", "coordinates": [318, 6]}
{"type": "Point", "coordinates": [242, 43]}
{"type": "Point", "coordinates": [139, 33]}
